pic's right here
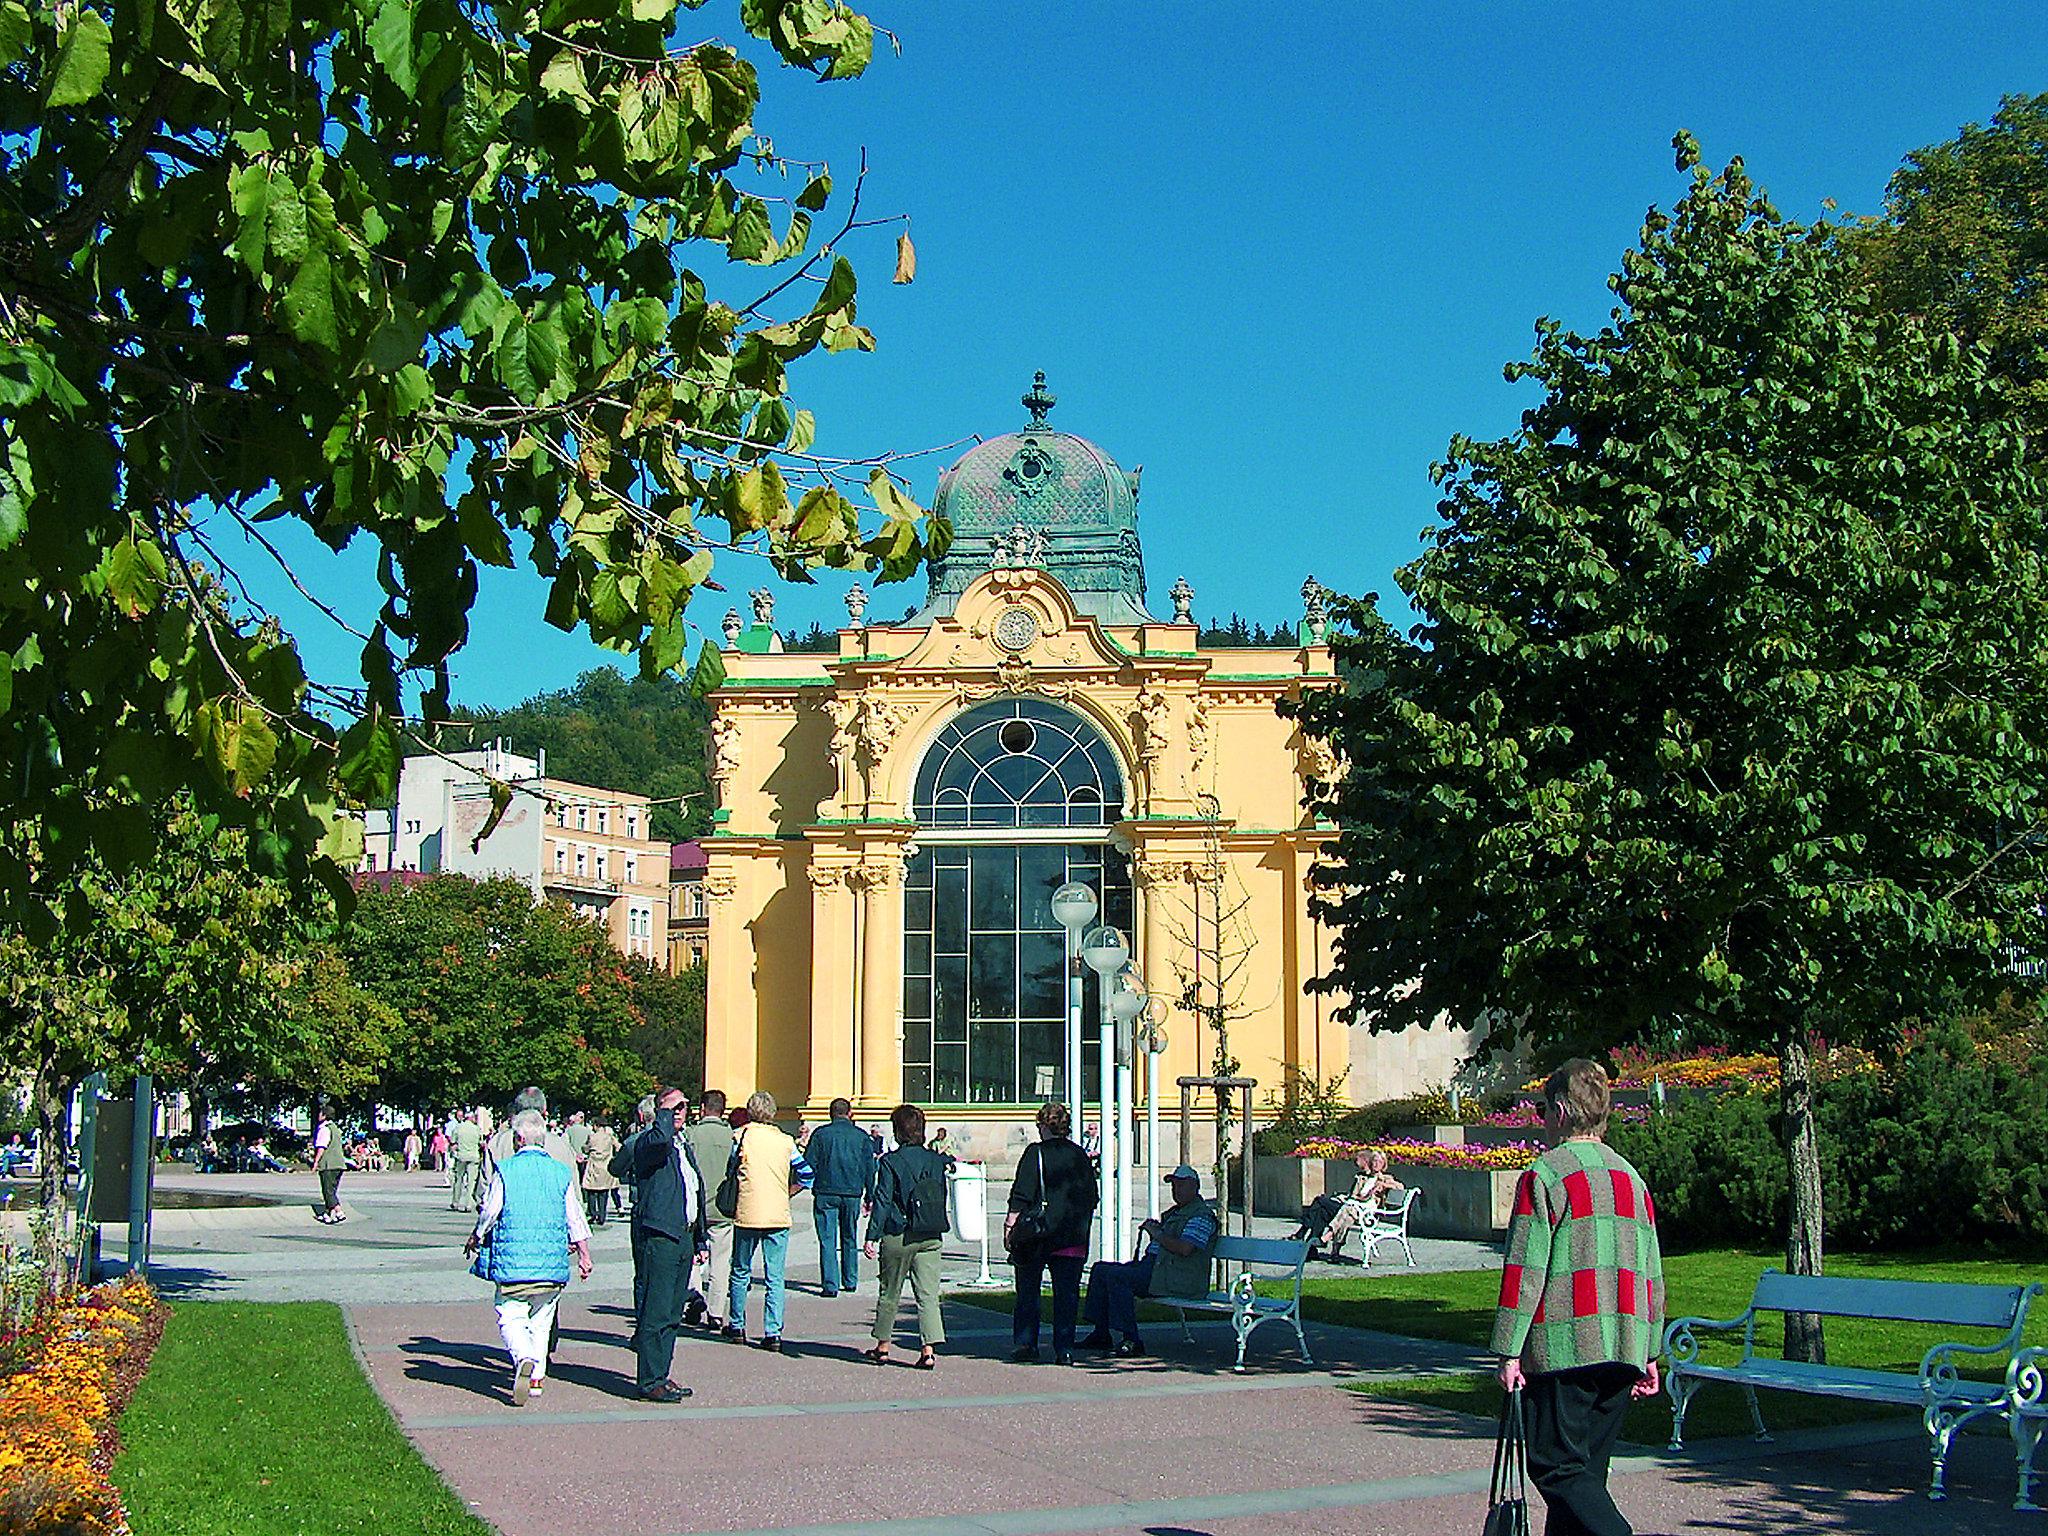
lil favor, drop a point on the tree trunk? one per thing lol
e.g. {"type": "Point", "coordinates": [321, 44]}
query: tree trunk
{"type": "Point", "coordinates": [1803, 1339]}
{"type": "Point", "coordinates": [52, 1091]}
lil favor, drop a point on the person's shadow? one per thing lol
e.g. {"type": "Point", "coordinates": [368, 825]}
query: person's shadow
{"type": "Point", "coordinates": [482, 1370]}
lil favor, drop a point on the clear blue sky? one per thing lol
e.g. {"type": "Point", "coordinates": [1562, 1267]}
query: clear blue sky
{"type": "Point", "coordinates": [1277, 255]}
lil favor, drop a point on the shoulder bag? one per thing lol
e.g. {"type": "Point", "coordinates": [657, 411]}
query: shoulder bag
{"type": "Point", "coordinates": [1507, 1500]}
{"type": "Point", "coordinates": [729, 1186]}
{"type": "Point", "coordinates": [1028, 1233]}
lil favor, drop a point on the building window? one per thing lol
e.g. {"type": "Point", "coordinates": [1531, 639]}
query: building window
{"type": "Point", "coordinates": [600, 863]}
{"type": "Point", "coordinates": [632, 870]}
{"type": "Point", "coordinates": [561, 858]}
{"type": "Point", "coordinates": [372, 864]}
{"type": "Point", "coordinates": [632, 823]}
{"type": "Point", "coordinates": [412, 824]}
{"type": "Point", "coordinates": [984, 986]}
{"type": "Point", "coordinates": [693, 901]}
{"type": "Point", "coordinates": [582, 862]}
{"type": "Point", "coordinates": [582, 818]}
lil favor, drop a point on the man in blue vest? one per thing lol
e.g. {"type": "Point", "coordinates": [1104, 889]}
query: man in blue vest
{"type": "Point", "coordinates": [533, 1220]}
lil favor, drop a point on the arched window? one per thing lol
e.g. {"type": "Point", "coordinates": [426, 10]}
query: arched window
{"type": "Point", "coordinates": [1018, 763]}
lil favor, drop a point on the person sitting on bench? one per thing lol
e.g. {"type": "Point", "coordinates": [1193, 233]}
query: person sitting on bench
{"type": "Point", "coordinates": [1175, 1263]}
{"type": "Point", "coordinates": [1374, 1185]}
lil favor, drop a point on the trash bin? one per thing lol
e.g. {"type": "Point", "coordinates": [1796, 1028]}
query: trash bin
{"type": "Point", "coordinates": [970, 1202]}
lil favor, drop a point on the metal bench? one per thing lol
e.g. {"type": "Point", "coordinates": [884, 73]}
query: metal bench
{"type": "Point", "coordinates": [1387, 1222]}
{"type": "Point", "coordinates": [1946, 1399]}
{"type": "Point", "coordinates": [1247, 1309]}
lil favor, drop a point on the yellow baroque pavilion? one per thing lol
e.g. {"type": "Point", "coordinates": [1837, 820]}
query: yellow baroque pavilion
{"type": "Point", "coordinates": [893, 820]}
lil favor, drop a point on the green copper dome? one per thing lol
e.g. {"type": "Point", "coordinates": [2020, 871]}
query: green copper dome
{"type": "Point", "coordinates": [1054, 487]}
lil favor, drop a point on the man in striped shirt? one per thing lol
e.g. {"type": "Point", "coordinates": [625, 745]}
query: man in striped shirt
{"type": "Point", "coordinates": [1581, 1303]}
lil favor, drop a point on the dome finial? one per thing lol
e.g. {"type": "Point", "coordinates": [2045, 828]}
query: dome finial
{"type": "Point", "coordinates": [1039, 401]}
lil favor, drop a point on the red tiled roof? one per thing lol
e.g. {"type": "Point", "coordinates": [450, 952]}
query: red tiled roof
{"type": "Point", "coordinates": [687, 858]}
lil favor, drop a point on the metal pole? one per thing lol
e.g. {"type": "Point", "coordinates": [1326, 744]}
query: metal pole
{"type": "Point", "coordinates": [1151, 1128]}
{"type": "Point", "coordinates": [1112, 1233]}
{"type": "Point", "coordinates": [1077, 1095]}
{"type": "Point", "coordinates": [138, 1177]}
{"type": "Point", "coordinates": [1125, 1162]}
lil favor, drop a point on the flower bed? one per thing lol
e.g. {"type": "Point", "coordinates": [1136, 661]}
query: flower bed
{"type": "Point", "coordinates": [1528, 1115]}
{"type": "Point", "coordinates": [64, 1379]}
{"type": "Point", "coordinates": [1513, 1156]}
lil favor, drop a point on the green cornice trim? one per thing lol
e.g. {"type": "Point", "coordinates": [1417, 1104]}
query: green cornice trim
{"type": "Point", "coordinates": [1257, 677]}
{"type": "Point", "coordinates": [734, 684]}
{"type": "Point", "coordinates": [864, 821]}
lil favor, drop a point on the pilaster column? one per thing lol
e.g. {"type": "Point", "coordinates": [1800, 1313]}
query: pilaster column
{"type": "Point", "coordinates": [833, 993]}
{"type": "Point", "coordinates": [881, 994]}
{"type": "Point", "coordinates": [729, 1050]}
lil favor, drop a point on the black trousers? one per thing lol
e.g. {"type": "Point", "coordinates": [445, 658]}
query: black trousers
{"type": "Point", "coordinates": [1573, 1419]}
{"type": "Point", "coordinates": [1066, 1299]}
{"type": "Point", "coordinates": [639, 1279]}
{"type": "Point", "coordinates": [1317, 1215]}
{"type": "Point", "coordinates": [665, 1274]}
{"type": "Point", "coordinates": [594, 1204]}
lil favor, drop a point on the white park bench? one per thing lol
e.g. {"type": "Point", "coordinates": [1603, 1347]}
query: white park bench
{"type": "Point", "coordinates": [1387, 1222]}
{"type": "Point", "coordinates": [2026, 1385]}
{"type": "Point", "coordinates": [1946, 1399]}
{"type": "Point", "coordinates": [1240, 1299]}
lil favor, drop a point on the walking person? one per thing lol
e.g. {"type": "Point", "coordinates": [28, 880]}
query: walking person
{"type": "Point", "coordinates": [330, 1161]}
{"type": "Point", "coordinates": [599, 1181]}
{"type": "Point", "coordinates": [771, 1169]}
{"type": "Point", "coordinates": [412, 1150]}
{"type": "Point", "coordinates": [1055, 1190]}
{"type": "Point", "coordinates": [1581, 1303]}
{"type": "Point", "coordinates": [711, 1282]}
{"type": "Point", "coordinates": [532, 1217]}
{"type": "Point", "coordinates": [668, 1231]}
{"type": "Point", "coordinates": [466, 1151]}
{"type": "Point", "coordinates": [842, 1163]}
{"type": "Point", "coordinates": [905, 1234]}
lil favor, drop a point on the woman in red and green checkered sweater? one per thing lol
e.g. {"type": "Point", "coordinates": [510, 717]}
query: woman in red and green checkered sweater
{"type": "Point", "coordinates": [1581, 1303]}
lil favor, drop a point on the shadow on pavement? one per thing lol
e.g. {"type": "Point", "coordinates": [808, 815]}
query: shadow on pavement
{"type": "Point", "coordinates": [186, 1280]}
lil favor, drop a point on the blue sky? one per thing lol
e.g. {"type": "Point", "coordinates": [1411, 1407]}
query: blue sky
{"type": "Point", "coordinates": [1277, 255]}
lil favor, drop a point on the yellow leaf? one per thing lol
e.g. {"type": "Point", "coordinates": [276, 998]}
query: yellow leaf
{"type": "Point", "coordinates": [906, 259]}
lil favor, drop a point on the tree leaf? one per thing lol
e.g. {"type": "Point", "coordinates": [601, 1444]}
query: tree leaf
{"type": "Point", "coordinates": [391, 40]}
{"type": "Point", "coordinates": [15, 32]}
{"type": "Point", "coordinates": [906, 259]}
{"type": "Point", "coordinates": [760, 499]}
{"type": "Point", "coordinates": [309, 302]}
{"type": "Point", "coordinates": [84, 47]}
{"type": "Point", "coordinates": [368, 759]}
{"type": "Point", "coordinates": [709, 673]}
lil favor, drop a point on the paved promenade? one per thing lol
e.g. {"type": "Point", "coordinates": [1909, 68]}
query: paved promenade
{"type": "Point", "coordinates": [820, 1442]}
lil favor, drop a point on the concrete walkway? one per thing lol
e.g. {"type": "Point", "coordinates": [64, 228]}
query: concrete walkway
{"type": "Point", "coordinates": [819, 1441]}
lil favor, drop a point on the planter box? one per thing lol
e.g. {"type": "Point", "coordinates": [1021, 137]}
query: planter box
{"type": "Point", "coordinates": [1477, 1135]}
{"type": "Point", "coordinates": [1460, 1202]}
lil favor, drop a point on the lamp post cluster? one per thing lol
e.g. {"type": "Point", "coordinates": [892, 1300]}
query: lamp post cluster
{"type": "Point", "coordinates": [1128, 1025]}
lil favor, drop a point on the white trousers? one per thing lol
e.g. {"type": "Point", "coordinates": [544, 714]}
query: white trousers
{"type": "Point", "coordinates": [525, 1326]}
{"type": "Point", "coordinates": [711, 1275]}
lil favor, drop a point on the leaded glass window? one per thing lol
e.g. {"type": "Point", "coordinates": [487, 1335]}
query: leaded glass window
{"type": "Point", "coordinates": [1018, 763]}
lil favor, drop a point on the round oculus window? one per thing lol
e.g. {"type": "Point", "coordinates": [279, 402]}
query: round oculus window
{"type": "Point", "coordinates": [1017, 737]}
{"type": "Point", "coordinates": [1016, 629]}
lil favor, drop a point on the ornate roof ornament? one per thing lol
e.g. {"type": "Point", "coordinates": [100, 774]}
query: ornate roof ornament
{"type": "Point", "coordinates": [1183, 597]}
{"type": "Point", "coordinates": [1315, 604]}
{"type": "Point", "coordinates": [1038, 400]}
{"type": "Point", "coordinates": [1019, 549]}
{"type": "Point", "coordinates": [856, 604]}
{"type": "Point", "coordinates": [764, 605]}
{"type": "Point", "coordinates": [730, 627]}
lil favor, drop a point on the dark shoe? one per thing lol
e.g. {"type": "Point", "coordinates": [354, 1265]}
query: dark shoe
{"type": "Point", "coordinates": [1025, 1355]}
{"type": "Point", "coordinates": [1128, 1348]}
{"type": "Point", "coordinates": [828, 1294]}
{"type": "Point", "coordinates": [715, 1324]}
{"type": "Point", "coordinates": [1063, 1358]}
{"type": "Point", "coordinates": [773, 1344]}
{"type": "Point", "coordinates": [667, 1392]}
{"type": "Point", "coordinates": [1099, 1339]}
{"type": "Point", "coordinates": [693, 1314]}
{"type": "Point", "coordinates": [733, 1335]}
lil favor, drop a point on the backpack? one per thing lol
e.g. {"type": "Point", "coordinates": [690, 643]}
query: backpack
{"type": "Point", "coordinates": [924, 1205]}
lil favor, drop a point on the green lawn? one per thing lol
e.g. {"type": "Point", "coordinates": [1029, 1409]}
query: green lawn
{"type": "Point", "coordinates": [255, 1420]}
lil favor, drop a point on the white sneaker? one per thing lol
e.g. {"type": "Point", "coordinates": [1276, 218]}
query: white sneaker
{"type": "Point", "coordinates": [522, 1381]}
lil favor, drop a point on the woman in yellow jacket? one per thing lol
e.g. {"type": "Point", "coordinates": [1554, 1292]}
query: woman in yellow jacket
{"type": "Point", "coordinates": [771, 1168]}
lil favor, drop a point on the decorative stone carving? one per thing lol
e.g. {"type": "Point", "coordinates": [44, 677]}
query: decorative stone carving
{"type": "Point", "coordinates": [857, 604]}
{"type": "Point", "coordinates": [730, 626]}
{"type": "Point", "coordinates": [1155, 724]}
{"type": "Point", "coordinates": [725, 754]}
{"type": "Point", "coordinates": [878, 876]}
{"type": "Point", "coordinates": [720, 885]}
{"type": "Point", "coordinates": [876, 729]}
{"type": "Point", "coordinates": [1315, 605]}
{"type": "Point", "coordinates": [1021, 548]}
{"type": "Point", "coordinates": [1016, 629]}
{"type": "Point", "coordinates": [1183, 598]}
{"type": "Point", "coordinates": [828, 877]}
{"type": "Point", "coordinates": [1198, 734]}
{"type": "Point", "coordinates": [764, 605]}
{"type": "Point", "coordinates": [1315, 759]}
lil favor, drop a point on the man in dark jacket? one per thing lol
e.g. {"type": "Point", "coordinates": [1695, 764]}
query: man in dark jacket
{"type": "Point", "coordinates": [843, 1160]}
{"type": "Point", "coordinates": [669, 1228]}
{"type": "Point", "coordinates": [622, 1170]}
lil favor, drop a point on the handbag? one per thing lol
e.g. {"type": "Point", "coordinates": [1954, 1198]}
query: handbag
{"type": "Point", "coordinates": [1507, 1499]}
{"type": "Point", "coordinates": [1031, 1230]}
{"type": "Point", "coordinates": [729, 1186]}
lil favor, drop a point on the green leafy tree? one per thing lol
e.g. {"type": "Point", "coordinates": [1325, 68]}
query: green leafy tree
{"type": "Point", "coordinates": [668, 1035]}
{"type": "Point", "coordinates": [448, 277]}
{"type": "Point", "coordinates": [1964, 243]}
{"type": "Point", "coordinates": [644, 735]}
{"type": "Point", "coordinates": [1729, 696]}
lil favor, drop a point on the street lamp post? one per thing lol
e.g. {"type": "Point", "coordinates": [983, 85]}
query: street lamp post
{"type": "Point", "coordinates": [1074, 908]}
{"type": "Point", "coordinates": [1106, 952]}
{"type": "Point", "coordinates": [1126, 1004]}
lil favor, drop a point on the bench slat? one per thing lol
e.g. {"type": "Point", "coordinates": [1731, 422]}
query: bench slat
{"type": "Point", "coordinates": [1838, 1381]}
{"type": "Point", "coordinates": [1952, 1304]}
{"type": "Point", "coordinates": [1260, 1250]}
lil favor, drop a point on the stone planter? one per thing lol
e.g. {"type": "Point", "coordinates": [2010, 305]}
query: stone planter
{"type": "Point", "coordinates": [1476, 1135]}
{"type": "Point", "coordinates": [1460, 1202]}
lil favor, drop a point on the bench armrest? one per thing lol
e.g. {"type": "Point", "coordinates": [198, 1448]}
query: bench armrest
{"type": "Point", "coordinates": [2026, 1379]}
{"type": "Point", "coordinates": [1682, 1347]}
